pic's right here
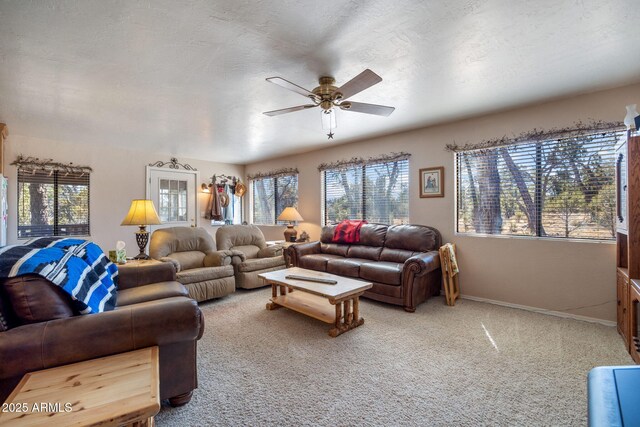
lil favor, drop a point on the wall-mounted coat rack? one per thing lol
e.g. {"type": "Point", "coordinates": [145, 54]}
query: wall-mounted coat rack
{"type": "Point", "coordinates": [221, 180]}
{"type": "Point", "coordinates": [222, 206]}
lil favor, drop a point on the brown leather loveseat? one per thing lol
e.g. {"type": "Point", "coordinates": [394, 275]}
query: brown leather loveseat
{"type": "Point", "coordinates": [39, 330]}
{"type": "Point", "coordinates": [401, 261]}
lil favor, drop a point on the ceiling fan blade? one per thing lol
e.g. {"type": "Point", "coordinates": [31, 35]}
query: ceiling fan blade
{"type": "Point", "coordinates": [289, 110]}
{"type": "Point", "coordinates": [362, 81]}
{"type": "Point", "coordinates": [291, 86]}
{"type": "Point", "coordinates": [361, 107]}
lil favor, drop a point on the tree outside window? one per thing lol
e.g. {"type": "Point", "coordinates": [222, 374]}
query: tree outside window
{"type": "Point", "coordinates": [52, 203]}
{"type": "Point", "coordinates": [271, 195]}
{"type": "Point", "coordinates": [377, 192]}
{"type": "Point", "coordinates": [563, 188]}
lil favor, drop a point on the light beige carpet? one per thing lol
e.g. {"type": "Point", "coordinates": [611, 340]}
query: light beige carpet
{"type": "Point", "coordinates": [469, 365]}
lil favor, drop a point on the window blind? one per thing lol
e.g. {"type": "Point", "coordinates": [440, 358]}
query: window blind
{"type": "Point", "coordinates": [376, 192]}
{"type": "Point", "coordinates": [561, 188]}
{"type": "Point", "coordinates": [271, 195]}
{"type": "Point", "coordinates": [53, 203]}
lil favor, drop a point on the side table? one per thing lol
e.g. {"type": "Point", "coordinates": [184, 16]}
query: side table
{"type": "Point", "coordinates": [122, 389]}
{"type": "Point", "coordinates": [285, 249]}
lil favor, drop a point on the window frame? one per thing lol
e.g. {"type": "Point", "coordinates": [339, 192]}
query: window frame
{"type": "Point", "coordinates": [612, 240]}
{"type": "Point", "coordinates": [56, 208]}
{"type": "Point", "coordinates": [363, 191]}
{"type": "Point", "coordinates": [275, 179]}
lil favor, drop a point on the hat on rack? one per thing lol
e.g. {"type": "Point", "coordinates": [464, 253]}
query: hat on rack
{"type": "Point", "coordinates": [240, 189]}
{"type": "Point", "coordinates": [224, 199]}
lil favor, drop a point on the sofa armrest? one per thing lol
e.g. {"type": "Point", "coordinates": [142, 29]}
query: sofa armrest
{"type": "Point", "coordinates": [423, 263]}
{"type": "Point", "coordinates": [133, 276]}
{"type": "Point", "coordinates": [270, 251]}
{"type": "Point", "coordinates": [306, 249]}
{"type": "Point", "coordinates": [218, 258]}
{"type": "Point", "coordinates": [297, 251]}
{"type": "Point", "coordinates": [175, 262]}
{"type": "Point", "coordinates": [62, 341]}
{"type": "Point", "coordinates": [237, 257]}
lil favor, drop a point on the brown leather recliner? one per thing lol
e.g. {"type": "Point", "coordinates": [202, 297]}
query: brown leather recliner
{"type": "Point", "coordinates": [401, 261]}
{"type": "Point", "coordinates": [39, 330]}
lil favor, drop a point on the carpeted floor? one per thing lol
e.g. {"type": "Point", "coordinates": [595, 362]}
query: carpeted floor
{"type": "Point", "coordinates": [468, 365]}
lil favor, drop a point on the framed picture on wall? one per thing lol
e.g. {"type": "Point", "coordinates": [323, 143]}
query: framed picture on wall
{"type": "Point", "coordinates": [432, 182]}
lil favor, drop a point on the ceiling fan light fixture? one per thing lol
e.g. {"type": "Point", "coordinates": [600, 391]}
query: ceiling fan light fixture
{"type": "Point", "coordinates": [328, 118]}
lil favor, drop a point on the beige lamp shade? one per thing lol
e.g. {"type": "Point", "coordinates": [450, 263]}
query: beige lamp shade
{"type": "Point", "coordinates": [141, 212]}
{"type": "Point", "coordinates": [290, 214]}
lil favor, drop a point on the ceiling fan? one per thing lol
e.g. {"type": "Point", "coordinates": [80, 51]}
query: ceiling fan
{"type": "Point", "coordinates": [329, 97]}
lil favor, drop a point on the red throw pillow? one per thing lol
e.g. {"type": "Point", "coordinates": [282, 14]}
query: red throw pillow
{"type": "Point", "coordinates": [348, 231]}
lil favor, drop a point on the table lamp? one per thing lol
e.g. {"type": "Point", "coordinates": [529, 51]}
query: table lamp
{"type": "Point", "coordinates": [142, 213]}
{"type": "Point", "coordinates": [290, 214]}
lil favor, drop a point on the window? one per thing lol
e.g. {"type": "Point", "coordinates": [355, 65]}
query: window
{"type": "Point", "coordinates": [52, 203]}
{"type": "Point", "coordinates": [271, 195]}
{"type": "Point", "coordinates": [173, 200]}
{"type": "Point", "coordinates": [561, 188]}
{"type": "Point", "coordinates": [376, 192]}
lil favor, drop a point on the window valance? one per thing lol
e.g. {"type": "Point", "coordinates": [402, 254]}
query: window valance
{"type": "Point", "coordinates": [577, 130]}
{"type": "Point", "coordinates": [34, 164]}
{"type": "Point", "coordinates": [355, 161]}
{"type": "Point", "coordinates": [274, 174]}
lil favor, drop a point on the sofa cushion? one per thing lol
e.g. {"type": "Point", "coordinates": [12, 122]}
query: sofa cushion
{"type": "Point", "coordinates": [260, 264]}
{"type": "Point", "coordinates": [326, 236]}
{"type": "Point", "coordinates": [370, 234]}
{"type": "Point", "coordinates": [334, 249]}
{"type": "Point", "coordinates": [165, 241]}
{"type": "Point", "coordinates": [396, 255]}
{"type": "Point", "coordinates": [389, 273]}
{"type": "Point", "coordinates": [188, 259]}
{"type": "Point", "coordinates": [249, 251]}
{"type": "Point", "coordinates": [35, 299]}
{"type": "Point", "coordinates": [150, 292]}
{"type": "Point", "coordinates": [317, 262]}
{"type": "Point", "coordinates": [418, 238]}
{"type": "Point", "coordinates": [366, 252]}
{"type": "Point", "coordinates": [373, 234]}
{"type": "Point", "coordinates": [233, 236]}
{"type": "Point", "coordinates": [349, 267]}
{"type": "Point", "coordinates": [204, 273]}
{"type": "Point", "coordinates": [210, 289]}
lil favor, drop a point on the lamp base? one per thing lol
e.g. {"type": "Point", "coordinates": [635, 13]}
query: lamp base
{"type": "Point", "coordinates": [290, 234]}
{"type": "Point", "coordinates": [142, 238]}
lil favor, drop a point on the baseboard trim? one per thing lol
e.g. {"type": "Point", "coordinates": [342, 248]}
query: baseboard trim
{"type": "Point", "coordinates": [541, 310]}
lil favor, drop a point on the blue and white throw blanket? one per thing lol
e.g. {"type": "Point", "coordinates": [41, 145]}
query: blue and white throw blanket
{"type": "Point", "coordinates": [78, 266]}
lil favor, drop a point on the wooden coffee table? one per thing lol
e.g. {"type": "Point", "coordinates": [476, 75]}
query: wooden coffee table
{"type": "Point", "coordinates": [117, 390]}
{"type": "Point", "coordinates": [316, 299]}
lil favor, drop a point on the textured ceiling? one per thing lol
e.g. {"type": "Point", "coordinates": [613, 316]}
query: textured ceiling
{"type": "Point", "coordinates": [188, 78]}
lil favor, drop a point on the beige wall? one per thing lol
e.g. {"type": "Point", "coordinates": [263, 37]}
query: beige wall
{"type": "Point", "coordinates": [118, 177]}
{"type": "Point", "coordinates": [567, 276]}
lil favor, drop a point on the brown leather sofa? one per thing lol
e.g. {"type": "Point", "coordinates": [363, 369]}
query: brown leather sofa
{"type": "Point", "coordinates": [39, 330]}
{"type": "Point", "coordinates": [401, 261]}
